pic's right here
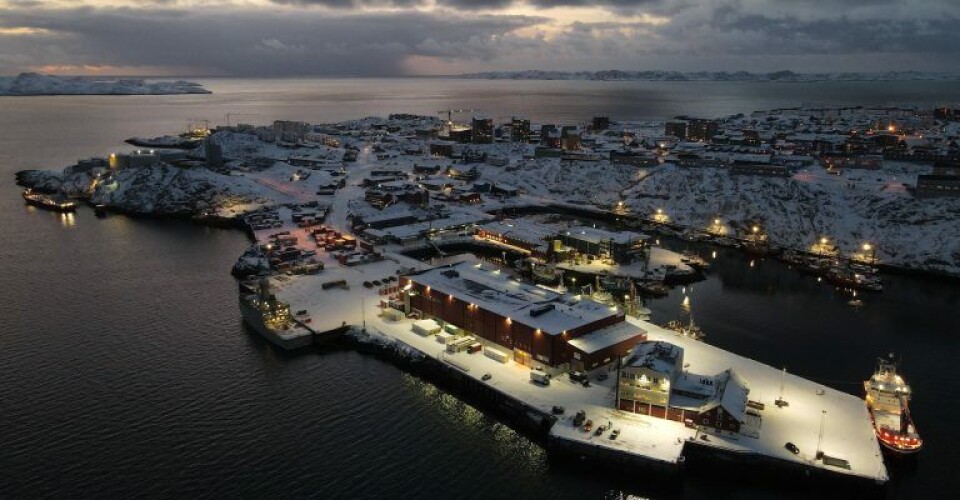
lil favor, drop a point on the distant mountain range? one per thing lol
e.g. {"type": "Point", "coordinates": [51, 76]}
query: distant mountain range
{"type": "Point", "coordinates": [709, 76]}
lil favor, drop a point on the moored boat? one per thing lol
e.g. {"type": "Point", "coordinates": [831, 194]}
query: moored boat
{"type": "Point", "coordinates": [49, 202]}
{"type": "Point", "coordinates": [888, 397]}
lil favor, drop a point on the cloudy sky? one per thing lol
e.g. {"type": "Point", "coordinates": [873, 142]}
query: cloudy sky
{"type": "Point", "coordinates": [403, 37]}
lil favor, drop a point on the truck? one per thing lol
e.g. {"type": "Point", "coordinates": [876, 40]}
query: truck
{"type": "Point", "coordinates": [538, 376]}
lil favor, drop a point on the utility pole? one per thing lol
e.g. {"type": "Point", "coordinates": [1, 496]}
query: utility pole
{"type": "Point", "coordinates": [363, 312]}
{"type": "Point", "coordinates": [823, 419]}
{"type": "Point", "coordinates": [780, 402]}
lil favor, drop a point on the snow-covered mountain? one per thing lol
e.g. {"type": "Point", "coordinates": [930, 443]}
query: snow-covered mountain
{"type": "Point", "coordinates": [37, 84]}
{"type": "Point", "coordinates": [719, 76]}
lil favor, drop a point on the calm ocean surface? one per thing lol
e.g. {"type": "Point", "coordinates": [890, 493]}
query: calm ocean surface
{"type": "Point", "coordinates": [125, 370]}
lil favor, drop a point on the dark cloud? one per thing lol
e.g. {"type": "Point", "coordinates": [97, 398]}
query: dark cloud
{"type": "Point", "coordinates": [400, 4]}
{"type": "Point", "coordinates": [336, 37]}
{"type": "Point", "coordinates": [251, 42]}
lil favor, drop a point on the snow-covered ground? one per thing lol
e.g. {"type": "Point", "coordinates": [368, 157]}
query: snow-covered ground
{"type": "Point", "coordinates": [848, 432]}
{"type": "Point", "coordinates": [37, 84]}
{"type": "Point", "coordinates": [858, 207]}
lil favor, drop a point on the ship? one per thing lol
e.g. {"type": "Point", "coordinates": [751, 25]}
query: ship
{"type": "Point", "coordinates": [271, 317]}
{"type": "Point", "coordinates": [888, 397]}
{"type": "Point", "coordinates": [49, 202]}
{"type": "Point", "coordinates": [690, 329]}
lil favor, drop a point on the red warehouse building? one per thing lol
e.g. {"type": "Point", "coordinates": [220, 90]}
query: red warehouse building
{"type": "Point", "coordinates": [540, 326]}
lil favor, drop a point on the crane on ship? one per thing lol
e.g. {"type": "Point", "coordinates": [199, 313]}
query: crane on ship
{"type": "Point", "coordinates": [198, 127]}
{"type": "Point", "coordinates": [448, 123]}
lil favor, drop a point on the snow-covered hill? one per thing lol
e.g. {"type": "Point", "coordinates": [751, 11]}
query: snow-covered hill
{"type": "Point", "coordinates": [36, 84]}
{"type": "Point", "coordinates": [721, 76]}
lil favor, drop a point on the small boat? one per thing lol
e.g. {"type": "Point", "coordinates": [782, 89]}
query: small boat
{"type": "Point", "coordinates": [49, 202]}
{"type": "Point", "coordinates": [689, 329]}
{"type": "Point", "coordinates": [887, 396]}
{"type": "Point", "coordinates": [654, 288]}
{"type": "Point", "coordinates": [693, 260]}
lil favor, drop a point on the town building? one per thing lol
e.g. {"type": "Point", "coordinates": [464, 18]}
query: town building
{"type": "Point", "coordinates": [633, 158]}
{"type": "Point", "coordinates": [137, 159]}
{"type": "Point", "coordinates": [762, 169]}
{"type": "Point", "coordinates": [676, 128]}
{"type": "Point", "coordinates": [520, 129]}
{"type": "Point", "coordinates": [538, 325]}
{"type": "Point", "coordinates": [482, 130]}
{"type": "Point", "coordinates": [521, 233]}
{"type": "Point", "coordinates": [652, 381]}
{"type": "Point", "coordinates": [601, 123]}
{"type": "Point", "coordinates": [622, 247]}
{"type": "Point", "coordinates": [938, 185]}
{"type": "Point", "coordinates": [290, 131]}
{"type": "Point", "coordinates": [702, 130]}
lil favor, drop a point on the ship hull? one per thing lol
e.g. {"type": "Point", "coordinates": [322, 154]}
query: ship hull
{"type": "Point", "coordinates": [893, 450]}
{"type": "Point", "coordinates": [52, 206]}
{"type": "Point", "coordinates": [253, 318]}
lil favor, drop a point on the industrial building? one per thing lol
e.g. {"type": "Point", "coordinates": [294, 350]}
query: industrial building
{"type": "Point", "coordinates": [540, 326]}
{"type": "Point", "coordinates": [622, 247]}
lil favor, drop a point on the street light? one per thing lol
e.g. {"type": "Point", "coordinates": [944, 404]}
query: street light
{"type": "Point", "coordinates": [868, 254]}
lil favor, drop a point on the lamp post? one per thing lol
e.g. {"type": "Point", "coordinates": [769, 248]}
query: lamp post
{"type": "Point", "coordinates": [823, 246]}
{"type": "Point", "coordinates": [868, 254]}
{"type": "Point", "coordinates": [823, 420]}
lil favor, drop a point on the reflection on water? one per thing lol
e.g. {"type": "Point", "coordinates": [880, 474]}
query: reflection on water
{"type": "Point", "coordinates": [68, 219]}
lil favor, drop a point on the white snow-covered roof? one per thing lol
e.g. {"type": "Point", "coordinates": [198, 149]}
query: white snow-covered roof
{"type": "Point", "coordinates": [732, 392]}
{"type": "Point", "coordinates": [595, 235]}
{"type": "Point", "coordinates": [537, 307]}
{"type": "Point", "coordinates": [523, 229]}
{"type": "Point", "coordinates": [421, 228]}
{"type": "Point", "coordinates": [658, 356]}
{"type": "Point", "coordinates": [606, 337]}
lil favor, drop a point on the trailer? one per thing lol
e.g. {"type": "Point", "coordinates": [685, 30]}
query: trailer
{"type": "Point", "coordinates": [426, 327]}
{"type": "Point", "coordinates": [459, 345]}
{"type": "Point", "coordinates": [496, 355]}
{"type": "Point", "coordinates": [391, 314]}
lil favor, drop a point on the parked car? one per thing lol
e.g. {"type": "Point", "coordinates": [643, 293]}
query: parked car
{"type": "Point", "coordinates": [614, 434]}
{"type": "Point", "coordinates": [793, 448]}
{"type": "Point", "coordinates": [578, 376]}
{"type": "Point", "coordinates": [579, 418]}
{"type": "Point", "coordinates": [588, 426]}
{"type": "Point", "coordinates": [558, 410]}
{"type": "Point", "coordinates": [600, 430]}
{"type": "Point", "coordinates": [367, 284]}
{"type": "Point", "coordinates": [486, 376]}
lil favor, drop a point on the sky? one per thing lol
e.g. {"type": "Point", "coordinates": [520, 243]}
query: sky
{"type": "Point", "coordinates": [286, 38]}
